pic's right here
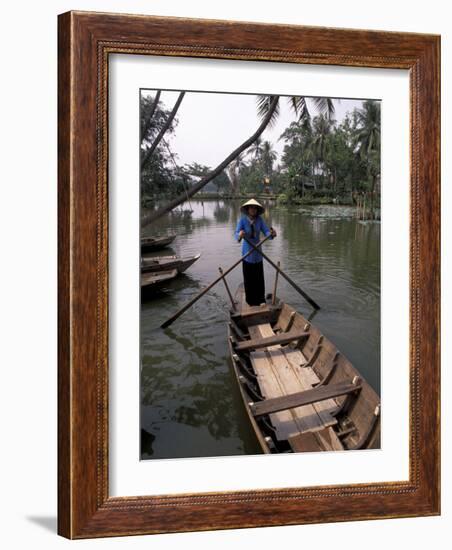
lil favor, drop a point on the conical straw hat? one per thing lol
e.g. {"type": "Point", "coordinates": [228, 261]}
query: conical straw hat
{"type": "Point", "coordinates": [252, 202]}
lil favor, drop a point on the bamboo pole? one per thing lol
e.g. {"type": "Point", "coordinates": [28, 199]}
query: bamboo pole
{"type": "Point", "coordinates": [276, 284]}
{"type": "Point", "coordinates": [208, 287]}
{"type": "Point", "coordinates": [314, 304]}
{"type": "Point", "coordinates": [227, 289]}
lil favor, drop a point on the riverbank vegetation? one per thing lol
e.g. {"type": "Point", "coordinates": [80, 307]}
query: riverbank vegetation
{"type": "Point", "coordinates": [323, 161]}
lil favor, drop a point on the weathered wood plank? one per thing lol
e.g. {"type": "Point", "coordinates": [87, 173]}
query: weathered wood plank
{"type": "Point", "coordinates": [305, 378]}
{"type": "Point", "coordinates": [283, 422]}
{"type": "Point", "coordinates": [255, 315]}
{"type": "Point", "coordinates": [321, 440]}
{"type": "Point", "coordinates": [250, 311]}
{"type": "Point", "coordinates": [305, 443]}
{"type": "Point", "coordinates": [299, 399]}
{"type": "Point", "coordinates": [309, 379]}
{"type": "Point", "coordinates": [330, 440]}
{"type": "Point", "coordinates": [305, 417]}
{"type": "Point", "coordinates": [278, 339]}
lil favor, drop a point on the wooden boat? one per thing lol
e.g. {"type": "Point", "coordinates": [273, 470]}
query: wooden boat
{"type": "Point", "coordinates": [153, 280]}
{"type": "Point", "coordinates": [156, 243]}
{"type": "Point", "coordinates": [163, 263]}
{"type": "Point", "coordinates": [300, 392]}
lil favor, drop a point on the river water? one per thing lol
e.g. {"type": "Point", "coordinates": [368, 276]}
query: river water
{"type": "Point", "coordinates": [190, 403]}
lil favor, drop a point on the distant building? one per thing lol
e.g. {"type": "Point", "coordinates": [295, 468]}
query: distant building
{"type": "Point", "coordinates": [308, 185]}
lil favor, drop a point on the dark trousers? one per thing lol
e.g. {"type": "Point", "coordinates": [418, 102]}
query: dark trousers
{"type": "Point", "coordinates": [253, 278]}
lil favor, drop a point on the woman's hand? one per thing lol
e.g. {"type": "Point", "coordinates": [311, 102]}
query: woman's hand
{"type": "Point", "coordinates": [241, 234]}
{"type": "Point", "coordinates": [272, 232]}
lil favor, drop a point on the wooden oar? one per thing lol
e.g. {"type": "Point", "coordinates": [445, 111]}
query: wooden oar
{"type": "Point", "coordinates": [288, 279]}
{"type": "Point", "coordinates": [213, 283]}
{"type": "Point", "coordinates": [276, 284]}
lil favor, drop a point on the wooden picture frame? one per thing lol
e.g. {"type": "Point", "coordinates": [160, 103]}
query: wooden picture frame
{"type": "Point", "coordinates": [85, 42]}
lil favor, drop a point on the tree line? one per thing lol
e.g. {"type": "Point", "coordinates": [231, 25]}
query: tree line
{"type": "Point", "coordinates": [321, 159]}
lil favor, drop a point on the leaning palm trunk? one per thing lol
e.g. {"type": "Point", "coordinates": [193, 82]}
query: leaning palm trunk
{"type": "Point", "coordinates": [164, 128]}
{"type": "Point", "coordinates": [233, 172]}
{"type": "Point", "coordinates": [372, 198]}
{"type": "Point", "coordinates": [151, 114]}
{"type": "Point", "coordinates": [152, 216]}
{"type": "Point", "coordinates": [233, 180]}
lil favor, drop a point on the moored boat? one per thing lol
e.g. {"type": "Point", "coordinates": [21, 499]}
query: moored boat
{"type": "Point", "coordinates": [153, 280]}
{"type": "Point", "coordinates": [164, 263]}
{"type": "Point", "coordinates": [156, 243]}
{"type": "Point", "coordinates": [300, 392]}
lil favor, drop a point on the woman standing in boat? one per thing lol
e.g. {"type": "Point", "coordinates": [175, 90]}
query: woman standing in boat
{"type": "Point", "coordinates": [250, 226]}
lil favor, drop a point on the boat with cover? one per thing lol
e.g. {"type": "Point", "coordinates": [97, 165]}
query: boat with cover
{"type": "Point", "coordinates": [300, 392]}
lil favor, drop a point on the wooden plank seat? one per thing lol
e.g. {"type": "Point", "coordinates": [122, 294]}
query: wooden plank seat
{"type": "Point", "coordinates": [250, 311]}
{"type": "Point", "coordinates": [254, 315]}
{"type": "Point", "coordinates": [279, 339]}
{"type": "Point", "coordinates": [299, 399]}
{"type": "Point", "coordinates": [255, 311]}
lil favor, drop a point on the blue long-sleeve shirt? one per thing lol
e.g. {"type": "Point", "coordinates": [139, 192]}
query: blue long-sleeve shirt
{"type": "Point", "coordinates": [259, 226]}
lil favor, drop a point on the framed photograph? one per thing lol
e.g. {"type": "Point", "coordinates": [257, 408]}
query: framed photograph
{"type": "Point", "coordinates": [248, 275]}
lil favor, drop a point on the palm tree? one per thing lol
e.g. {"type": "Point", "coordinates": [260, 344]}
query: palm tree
{"type": "Point", "coordinates": [152, 216]}
{"type": "Point", "coordinates": [268, 157]}
{"type": "Point", "coordinates": [148, 153]}
{"type": "Point", "coordinates": [368, 120]}
{"type": "Point", "coordinates": [256, 150]}
{"type": "Point", "coordinates": [147, 124]}
{"type": "Point", "coordinates": [368, 138]}
{"type": "Point", "coordinates": [302, 106]}
{"type": "Point", "coordinates": [233, 171]}
{"type": "Point", "coordinates": [319, 146]}
{"type": "Point", "coordinates": [299, 105]}
{"type": "Point", "coordinates": [268, 110]}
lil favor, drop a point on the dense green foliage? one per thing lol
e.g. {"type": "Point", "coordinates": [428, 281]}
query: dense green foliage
{"type": "Point", "coordinates": [322, 160]}
{"type": "Point", "coordinates": [161, 176]}
{"type": "Point", "coordinates": [157, 175]}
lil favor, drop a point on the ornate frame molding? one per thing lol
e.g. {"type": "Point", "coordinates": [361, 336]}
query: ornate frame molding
{"type": "Point", "coordinates": [85, 42]}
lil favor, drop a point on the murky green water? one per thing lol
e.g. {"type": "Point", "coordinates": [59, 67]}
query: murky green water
{"type": "Point", "coordinates": [190, 404]}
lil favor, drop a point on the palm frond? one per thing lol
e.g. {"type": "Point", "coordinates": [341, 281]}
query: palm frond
{"type": "Point", "coordinates": [263, 106]}
{"type": "Point", "coordinates": [324, 106]}
{"type": "Point", "coordinates": [300, 107]}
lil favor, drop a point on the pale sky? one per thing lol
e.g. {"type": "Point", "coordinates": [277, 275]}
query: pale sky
{"type": "Point", "coordinates": [212, 125]}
